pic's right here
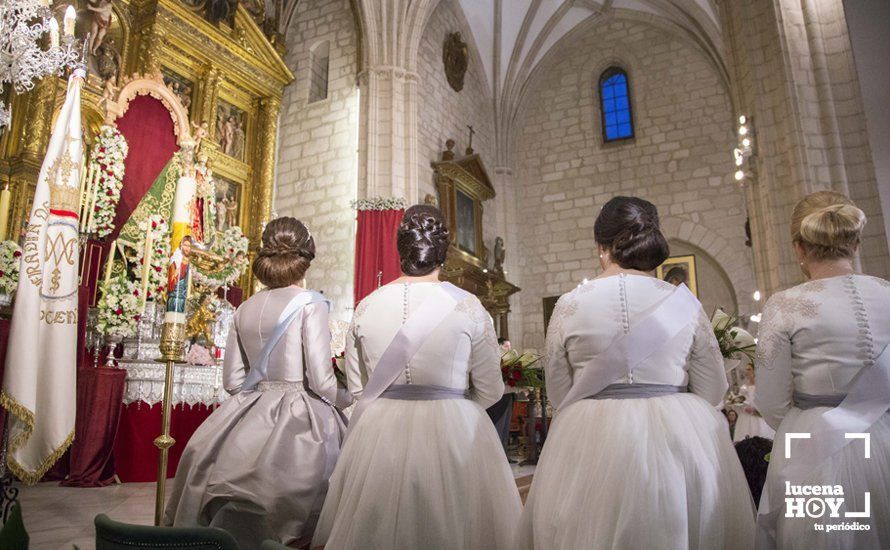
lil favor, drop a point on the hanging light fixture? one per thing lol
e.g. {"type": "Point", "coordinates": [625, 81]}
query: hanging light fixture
{"type": "Point", "coordinates": [23, 58]}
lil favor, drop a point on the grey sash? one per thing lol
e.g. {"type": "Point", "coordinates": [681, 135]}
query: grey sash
{"type": "Point", "coordinates": [260, 365]}
{"type": "Point", "coordinates": [637, 391]}
{"type": "Point", "coordinates": [407, 341]}
{"type": "Point", "coordinates": [807, 401]}
{"type": "Point", "coordinates": [867, 399]}
{"type": "Point", "coordinates": [418, 392]}
{"type": "Point", "coordinates": [672, 315]}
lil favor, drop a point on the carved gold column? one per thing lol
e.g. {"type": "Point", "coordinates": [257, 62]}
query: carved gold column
{"type": "Point", "coordinates": [265, 177]}
{"type": "Point", "coordinates": [206, 111]}
{"type": "Point", "coordinates": [40, 116]}
{"type": "Point", "coordinates": [153, 39]}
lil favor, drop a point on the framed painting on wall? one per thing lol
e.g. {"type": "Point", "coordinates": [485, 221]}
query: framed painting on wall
{"type": "Point", "coordinates": [679, 269]}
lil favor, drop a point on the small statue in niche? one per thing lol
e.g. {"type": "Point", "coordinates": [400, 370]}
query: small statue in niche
{"type": "Point", "coordinates": [499, 255]}
{"type": "Point", "coordinates": [231, 211]}
{"type": "Point", "coordinates": [456, 57]}
{"type": "Point", "coordinates": [108, 61]}
{"type": "Point", "coordinates": [100, 22]}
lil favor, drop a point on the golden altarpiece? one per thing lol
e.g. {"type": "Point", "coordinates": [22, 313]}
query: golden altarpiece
{"type": "Point", "coordinates": [463, 185]}
{"type": "Point", "coordinates": [211, 53]}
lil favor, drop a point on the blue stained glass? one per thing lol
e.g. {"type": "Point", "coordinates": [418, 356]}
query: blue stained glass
{"type": "Point", "coordinates": [615, 103]}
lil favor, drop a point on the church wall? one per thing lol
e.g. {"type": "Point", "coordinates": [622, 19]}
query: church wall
{"type": "Point", "coordinates": [443, 113]}
{"type": "Point", "coordinates": [317, 167]}
{"type": "Point", "coordinates": [680, 159]}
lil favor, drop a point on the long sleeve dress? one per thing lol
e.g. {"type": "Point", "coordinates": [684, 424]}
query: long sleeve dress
{"type": "Point", "coordinates": [654, 472]}
{"type": "Point", "coordinates": [258, 467]}
{"type": "Point", "coordinates": [424, 474]}
{"type": "Point", "coordinates": [814, 339]}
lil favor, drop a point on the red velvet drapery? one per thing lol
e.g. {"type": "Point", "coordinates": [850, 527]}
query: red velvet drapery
{"type": "Point", "coordinates": [149, 132]}
{"type": "Point", "coordinates": [135, 456]}
{"type": "Point", "coordinates": [376, 255]}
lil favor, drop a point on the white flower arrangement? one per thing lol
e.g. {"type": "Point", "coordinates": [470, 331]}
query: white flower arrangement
{"type": "Point", "coordinates": [380, 203]}
{"type": "Point", "coordinates": [160, 254]}
{"type": "Point", "coordinates": [118, 307]}
{"type": "Point", "coordinates": [733, 340]}
{"type": "Point", "coordinates": [107, 174]}
{"type": "Point", "coordinates": [10, 261]}
{"type": "Point", "coordinates": [231, 244]}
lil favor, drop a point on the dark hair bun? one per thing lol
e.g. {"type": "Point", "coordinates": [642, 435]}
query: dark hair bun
{"type": "Point", "coordinates": [628, 228]}
{"type": "Point", "coordinates": [422, 240]}
{"type": "Point", "coordinates": [285, 254]}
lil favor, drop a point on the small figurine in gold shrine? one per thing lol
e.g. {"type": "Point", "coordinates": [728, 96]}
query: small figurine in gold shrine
{"type": "Point", "coordinates": [201, 321]}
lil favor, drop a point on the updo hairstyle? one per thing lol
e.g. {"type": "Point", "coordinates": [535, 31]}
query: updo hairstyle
{"type": "Point", "coordinates": [627, 227]}
{"type": "Point", "coordinates": [828, 225]}
{"type": "Point", "coordinates": [422, 240]}
{"type": "Point", "coordinates": [285, 253]}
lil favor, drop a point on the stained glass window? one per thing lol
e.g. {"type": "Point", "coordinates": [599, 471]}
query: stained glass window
{"type": "Point", "coordinates": [615, 103]}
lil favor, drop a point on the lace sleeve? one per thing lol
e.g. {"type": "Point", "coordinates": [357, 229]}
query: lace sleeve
{"type": "Point", "coordinates": [773, 363]}
{"type": "Point", "coordinates": [558, 371]}
{"type": "Point", "coordinates": [707, 378]}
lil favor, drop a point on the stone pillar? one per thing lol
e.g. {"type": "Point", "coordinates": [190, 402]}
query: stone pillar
{"type": "Point", "coordinates": [388, 133]}
{"type": "Point", "coordinates": [793, 74]}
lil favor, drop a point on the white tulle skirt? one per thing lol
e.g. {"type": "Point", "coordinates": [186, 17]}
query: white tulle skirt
{"type": "Point", "coordinates": [751, 425]}
{"type": "Point", "coordinates": [638, 473]}
{"type": "Point", "coordinates": [421, 475]}
{"type": "Point", "coordinates": [852, 472]}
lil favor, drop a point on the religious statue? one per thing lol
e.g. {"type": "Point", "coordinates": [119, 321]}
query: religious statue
{"type": "Point", "coordinates": [456, 57]}
{"type": "Point", "coordinates": [221, 214]}
{"type": "Point", "coordinates": [101, 20]}
{"type": "Point", "coordinates": [178, 277]}
{"type": "Point", "coordinates": [202, 320]}
{"type": "Point", "coordinates": [202, 207]}
{"type": "Point", "coordinates": [448, 153]}
{"type": "Point", "coordinates": [108, 61]}
{"type": "Point", "coordinates": [231, 211]}
{"type": "Point", "coordinates": [109, 90]}
{"type": "Point", "coordinates": [199, 134]}
{"type": "Point", "coordinates": [237, 145]}
{"type": "Point", "coordinates": [499, 255]}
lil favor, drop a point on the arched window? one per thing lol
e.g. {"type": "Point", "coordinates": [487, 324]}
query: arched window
{"type": "Point", "coordinates": [318, 78]}
{"type": "Point", "coordinates": [618, 122]}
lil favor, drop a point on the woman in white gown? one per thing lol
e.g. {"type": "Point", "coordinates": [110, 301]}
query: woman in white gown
{"type": "Point", "coordinates": [258, 467]}
{"type": "Point", "coordinates": [749, 423]}
{"type": "Point", "coordinates": [640, 462]}
{"type": "Point", "coordinates": [422, 466]}
{"type": "Point", "coordinates": [816, 340]}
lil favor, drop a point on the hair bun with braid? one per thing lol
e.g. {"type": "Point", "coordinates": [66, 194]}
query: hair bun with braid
{"type": "Point", "coordinates": [285, 254]}
{"type": "Point", "coordinates": [422, 240]}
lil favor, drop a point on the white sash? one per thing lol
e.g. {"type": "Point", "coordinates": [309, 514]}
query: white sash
{"type": "Point", "coordinates": [260, 365]}
{"type": "Point", "coordinates": [866, 402]}
{"type": "Point", "coordinates": [407, 341]}
{"type": "Point", "coordinates": [672, 315]}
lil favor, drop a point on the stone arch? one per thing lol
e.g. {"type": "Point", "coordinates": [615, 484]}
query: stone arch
{"type": "Point", "coordinates": [736, 264]}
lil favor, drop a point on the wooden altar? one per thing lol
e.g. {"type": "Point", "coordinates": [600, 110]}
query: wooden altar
{"type": "Point", "coordinates": [463, 186]}
{"type": "Point", "coordinates": [224, 70]}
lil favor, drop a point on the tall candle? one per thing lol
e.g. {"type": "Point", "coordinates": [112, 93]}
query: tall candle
{"type": "Point", "coordinates": [146, 264]}
{"type": "Point", "coordinates": [70, 19]}
{"type": "Point", "coordinates": [53, 33]}
{"type": "Point", "coordinates": [4, 211]}
{"type": "Point", "coordinates": [109, 263]}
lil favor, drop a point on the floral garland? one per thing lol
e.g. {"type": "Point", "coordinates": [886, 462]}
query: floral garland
{"type": "Point", "coordinates": [160, 254]}
{"type": "Point", "coordinates": [118, 307]}
{"type": "Point", "coordinates": [231, 245]}
{"type": "Point", "coordinates": [107, 174]}
{"type": "Point", "coordinates": [10, 255]}
{"type": "Point", "coordinates": [380, 203]}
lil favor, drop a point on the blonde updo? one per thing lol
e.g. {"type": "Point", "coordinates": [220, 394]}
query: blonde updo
{"type": "Point", "coordinates": [828, 225]}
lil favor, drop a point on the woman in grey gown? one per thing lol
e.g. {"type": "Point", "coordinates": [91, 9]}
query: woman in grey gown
{"type": "Point", "coordinates": [258, 467]}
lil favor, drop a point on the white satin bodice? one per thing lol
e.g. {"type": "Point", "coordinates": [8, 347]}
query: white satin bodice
{"type": "Point", "coordinates": [462, 352]}
{"type": "Point", "coordinates": [815, 338]}
{"type": "Point", "coordinates": [587, 320]}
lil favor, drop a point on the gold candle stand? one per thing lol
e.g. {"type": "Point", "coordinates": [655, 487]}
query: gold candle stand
{"type": "Point", "coordinates": [172, 341]}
